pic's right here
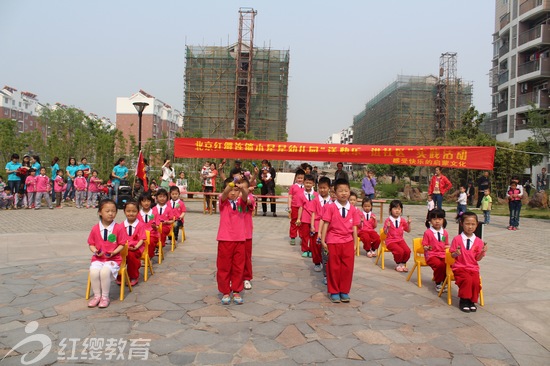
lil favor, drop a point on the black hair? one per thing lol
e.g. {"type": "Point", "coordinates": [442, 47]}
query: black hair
{"type": "Point", "coordinates": [162, 191]}
{"type": "Point", "coordinates": [104, 202]}
{"type": "Point", "coordinates": [131, 202]}
{"type": "Point", "coordinates": [36, 158]}
{"type": "Point", "coordinates": [396, 203]}
{"type": "Point", "coordinates": [300, 171]}
{"type": "Point", "coordinates": [324, 180]}
{"type": "Point", "coordinates": [468, 214]}
{"type": "Point", "coordinates": [84, 158]}
{"type": "Point", "coordinates": [54, 161]}
{"type": "Point", "coordinates": [341, 181]}
{"type": "Point", "coordinates": [145, 196]}
{"type": "Point", "coordinates": [353, 194]}
{"type": "Point", "coordinates": [227, 181]}
{"type": "Point", "coordinates": [32, 170]}
{"type": "Point", "coordinates": [120, 160]}
{"type": "Point", "coordinates": [309, 177]}
{"type": "Point", "coordinates": [436, 213]}
{"type": "Point", "coordinates": [14, 156]}
{"type": "Point", "coordinates": [365, 200]}
{"type": "Point", "coordinates": [174, 188]}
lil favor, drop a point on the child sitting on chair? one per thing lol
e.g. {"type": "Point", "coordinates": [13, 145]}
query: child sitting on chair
{"type": "Point", "coordinates": [394, 227]}
{"type": "Point", "coordinates": [435, 241]}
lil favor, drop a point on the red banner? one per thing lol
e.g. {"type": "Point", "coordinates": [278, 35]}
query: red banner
{"type": "Point", "coordinates": [459, 157]}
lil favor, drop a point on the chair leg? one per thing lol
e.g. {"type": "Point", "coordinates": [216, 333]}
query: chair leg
{"type": "Point", "coordinates": [382, 258]}
{"type": "Point", "coordinates": [449, 285]}
{"type": "Point", "coordinates": [443, 286]}
{"type": "Point", "coordinates": [182, 234]}
{"type": "Point", "coordinates": [419, 274]}
{"type": "Point", "coordinates": [173, 241]}
{"type": "Point", "coordinates": [411, 272]}
{"type": "Point", "coordinates": [88, 287]}
{"type": "Point", "coordinates": [481, 301]}
{"type": "Point", "coordinates": [161, 252]}
{"type": "Point", "coordinates": [125, 281]}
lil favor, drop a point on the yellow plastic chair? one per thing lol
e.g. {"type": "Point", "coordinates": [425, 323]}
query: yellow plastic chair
{"type": "Point", "coordinates": [382, 248]}
{"type": "Point", "coordinates": [145, 257]}
{"type": "Point", "coordinates": [449, 261]}
{"type": "Point", "coordinates": [419, 260]}
{"type": "Point", "coordinates": [358, 247]}
{"type": "Point", "coordinates": [122, 272]}
{"type": "Point", "coordinates": [182, 228]}
{"type": "Point", "coordinates": [159, 245]}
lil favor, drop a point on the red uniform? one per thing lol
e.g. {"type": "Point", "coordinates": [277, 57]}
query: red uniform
{"type": "Point", "coordinates": [101, 240]}
{"type": "Point", "coordinates": [132, 234]}
{"type": "Point", "coordinates": [147, 218]}
{"type": "Point", "coordinates": [305, 200]}
{"type": "Point", "coordinates": [231, 237]}
{"type": "Point", "coordinates": [160, 215]}
{"type": "Point", "coordinates": [466, 267]}
{"type": "Point", "coordinates": [435, 257]}
{"type": "Point", "coordinates": [295, 191]}
{"type": "Point", "coordinates": [318, 209]}
{"type": "Point", "coordinates": [248, 227]}
{"type": "Point", "coordinates": [395, 241]}
{"type": "Point", "coordinates": [367, 232]}
{"type": "Point", "coordinates": [341, 246]}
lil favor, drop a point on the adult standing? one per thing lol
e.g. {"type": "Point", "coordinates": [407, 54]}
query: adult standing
{"type": "Point", "coordinates": [368, 184]}
{"type": "Point", "coordinates": [55, 167]}
{"type": "Point", "coordinates": [439, 185]}
{"type": "Point", "coordinates": [35, 163]}
{"type": "Point", "coordinates": [268, 187]}
{"type": "Point", "coordinates": [119, 173]}
{"type": "Point", "coordinates": [315, 173]}
{"type": "Point", "coordinates": [237, 169]}
{"type": "Point", "coordinates": [85, 167]}
{"type": "Point", "coordinates": [209, 184]}
{"type": "Point", "coordinates": [168, 174]}
{"type": "Point", "coordinates": [483, 183]}
{"type": "Point", "coordinates": [14, 180]}
{"type": "Point", "coordinates": [71, 173]}
{"type": "Point", "coordinates": [542, 180]}
{"type": "Point", "coordinates": [340, 173]}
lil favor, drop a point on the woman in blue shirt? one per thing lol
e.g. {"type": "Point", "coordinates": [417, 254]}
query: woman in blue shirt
{"type": "Point", "coordinates": [86, 170]}
{"type": "Point", "coordinates": [35, 162]}
{"type": "Point", "coordinates": [71, 172]}
{"type": "Point", "coordinates": [14, 181]}
{"type": "Point", "coordinates": [55, 168]}
{"type": "Point", "coordinates": [120, 172]}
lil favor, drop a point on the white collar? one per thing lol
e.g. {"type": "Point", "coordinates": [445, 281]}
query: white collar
{"type": "Point", "coordinates": [436, 231]}
{"type": "Point", "coordinates": [159, 206]}
{"type": "Point", "coordinates": [464, 238]}
{"type": "Point", "coordinates": [394, 220]}
{"type": "Point", "coordinates": [347, 206]}
{"type": "Point", "coordinates": [126, 224]}
{"type": "Point", "coordinates": [109, 228]}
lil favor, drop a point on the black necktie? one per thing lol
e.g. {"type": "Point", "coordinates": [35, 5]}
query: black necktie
{"type": "Point", "coordinates": [438, 236]}
{"type": "Point", "coordinates": [173, 204]}
{"type": "Point", "coordinates": [146, 218]}
{"type": "Point", "coordinates": [234, 205]}
{"type": "Point", "coordinates": [368, 216]}
{"type": "Point", "coordinates": [343, 212]}
{"type": "Point", "coordinates": [130, 230]}
{"type": "Point", "coordinates": [309, 197]}
{"type": "Point", "coordinates": [468, 244]}
{"type": "Point", "coordinates": [105, 231]}
{"type": "Point", "coordinates": [161, 210]}
{"type": "Point", "coordinates": [324, 202]}
{"type": "Point", "coordinates": [396, 223]}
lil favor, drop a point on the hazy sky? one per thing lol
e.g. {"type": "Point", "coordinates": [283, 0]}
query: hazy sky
{"type": "Point", "coordinates": [342, 53]}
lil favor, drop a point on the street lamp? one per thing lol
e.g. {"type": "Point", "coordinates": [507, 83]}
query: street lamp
{"type": "Point", "coordinates": [140, 106]}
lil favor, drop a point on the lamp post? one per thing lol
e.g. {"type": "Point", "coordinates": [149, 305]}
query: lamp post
{"type": "Point", "coordinates": [140, 106]}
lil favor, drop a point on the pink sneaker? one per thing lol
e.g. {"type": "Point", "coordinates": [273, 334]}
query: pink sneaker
{"type": "Point", "coordinates": [134, 281]}
{"type": "Point", "coordinates": [399, 268]}
{"type": "Point", "coordinates": [405, 269]}
{"type": "Point", "coordinates": [369, 254]}
{"type": "Point", "coordinates": [94, 301]}
{"type": "Point", "coordinates": [104, 302]}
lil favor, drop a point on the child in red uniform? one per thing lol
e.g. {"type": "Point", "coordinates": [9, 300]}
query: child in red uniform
{"type": "Point", "coordinates": [394, 226]}
{"type": "Point", "coordinates": [59, 186]}
{"type": "Point", "coordinates": [30, 184]}
{"type": "Point", "coordinates": [338, 237]}
{"type": "Point", "coordinates": [303, 222]}
{"type": "Point", "coordinates": [249, 228]}
{"type": "Point", "coordinates": [294, 192]}
{"type": "Point", "coordinates": [163, 213]}
{"type": "Point", "coordinates": [231, 237]}
{"type": "Point", "coordinates": [146, 216]}
{"type": "Point", "coordinates": [43, 189]}
{"type": "Point", "coordinates": [80, 184]}
{"type": "Point", "coordinates": [323, 188]}
{"type": "Point", "coordinates": [435, 241]}
{"type": "Point", "coordinates": [178, 209]}
{"type": "Point", "coordinates": [106, 260]}
{"type": "Point", "coordinates": [367, 230]}
{"type": "Point", "coordinates": [467, 249]}
{"type": "Point", "coordinates": [132, 231]}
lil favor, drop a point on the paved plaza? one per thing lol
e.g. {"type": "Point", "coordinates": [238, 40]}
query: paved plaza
{"type": "Point", "coordinates": [287, 319]}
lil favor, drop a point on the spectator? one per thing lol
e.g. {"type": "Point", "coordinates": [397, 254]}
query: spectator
{"type": "Point", "coordinates": [340, 173]}
{"type": "Point", "coordinates": [369, 182]}
{"type": "Point", "coordinates": [542, 180]}
{"type": "Point", "coordinates": [483, 183]}
{"type": "Point", "coordinates": [168, 174]}
{"type": "Point", "coordinates": [439, 185]}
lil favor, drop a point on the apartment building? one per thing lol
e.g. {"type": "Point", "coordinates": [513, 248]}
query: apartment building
{"type": "Point", "coordinates": [20, 106]}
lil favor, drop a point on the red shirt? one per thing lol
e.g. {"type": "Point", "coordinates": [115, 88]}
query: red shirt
{"type": "Point", "coordinates": [444, 184]}
{"type": "Point", "coordinates": [306, 201]}
{"type": "Point", "coordinates": [147, 220]}
{"type": "Point", "coordinates": [430, 239]}
{"type": "Point", "coordinates": [80, 183]}
{"type": "Point", "coordinates": [249, 223]}
{"type": "Point", "coordinates": [339, 229]}
{"type": "Point", "coordinates": [319, 208]}
{"type": "Point", "coordinates": [96, 238]}
{"type": "Point", "coordinates": [395, 234]}
{"type": "Point", "coordinates": [30, 182]}
{"type": "Point", "coordinates": [94, 184]}
{"type": "Point", "coordinates": [42, 183]}
{"type": "Point", "coordinates": [370, 223]}
{"type": "Point", "coordinates": [232, 222]}
{"type": "Point", "coordinates": [138, 233]}
{"type": "Point", "coordinates": [467, 258]}
{"type": "Point", "coordinates": [178, 207]}
{"type": "Point", "coordinates": [295, 191]}
{"type": "Point", "coordinates": [58, 184]}
{"type": "Point", "coordinates": [167, 213]}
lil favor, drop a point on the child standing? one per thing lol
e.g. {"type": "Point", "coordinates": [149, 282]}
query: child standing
{"type": "Point", "coordinates": [178, 210]}
{"type": "Point", "coordinates": [106, 260]}
{"type": "Point", "coordinates": [293, 204]}
{"type": "Point", "coordinates": [162, 213]}
{"type": "Point", "coordinates": [30, 183]}
{"type": "Point", "coordinates": [231, 238]}
{"type": "Point", "coordinates": [338, 237]}
{"type": "Point", "coordinates": [367, 229]}
{"type": "Point", "coordinates": [435, 241]}
{"type": "Point", "coordinates": [80, 185]}
{"type": "Point", "coordinates": [514, 195]}
{"type": "Point", "coordinates": [323, 188]}
{"type": "Point", "coordinates": [461, 202]}
{"type": "Point", "coordinates": [58, 187]}
{"type": "Point", "coordinates": [249, 229]}
{"type": "Point", "coordinates": [43, 189]}
{"type": "Point", "coordinates": [431, 204]}
{"type": "Point", "coordinates": [132, 232]}
{"type": "Point", "coordinates": [146, 216]}
{"type": "Point", "coordinates": [468, 250]}
{"type": "Point", "coordinates": [394, 227]}
{"type": "Point", "coordinates": [305, 207]}
{"type": "Point", "coordinates": [93, 189]}
{"type": "Point", "coordinates": [486, 206]}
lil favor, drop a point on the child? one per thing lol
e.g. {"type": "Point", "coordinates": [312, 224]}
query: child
{"type": "Point", "coordinates": [249, 229]}
{"type": "Point", "coordinates": [153, 190]}
{"type": "Point", "coordinates": [106, 260]}
{"type": "Point", "coordinates": [431, 204]}
{"type": "Point", "coordinates": [178, 210]}
{"type": "Point", "coordinates": [80, 185]}
{"type": "Point", "coordinates": [293, 205]}
{"type": "Point", "coordinates": [132, 232]}
{"type": "Point", "coordinates": [323, 188]}
{"type": "Point", "coordinates": [435, 241]}
{"type": "Point", "coordinates": [461, 202]}
{"type": "Point", "coordinates": [231, 238]}
{"type": "Point", "coordinates": [137, 189]}
{"type": "Point", "coordinates": [2, 184]}
{"type": "Point", "coordinates": [181, 182]}
{"type": "Point", "coordinates": [30, 183]}
{"type": "Point", "coordinates": [467, 250]}
{"type": "Point", "coordinates": [146, 216]}
{"type": "Point", "coordinates": [305, 204]}
{"type": "Point", "coordinates": [6, 199]}
{"type": "Point", "coordinates": [338, 237]}
{"type": "Point", "coordinates": [367, 229]}
{"type": "Point", "coordinates": [514, 195]}
{"type": "Point", "coordinates": [486, 205]}
{"type": "Point", "coordinates": [163, 214]}
{"type": "Point", "coordinates": [59, 187]}
{"type": "Point", "coordinates": [394, 226]}
{"type": "Point", "coordinates": [43, 189]}
{"type": "Point", "coordinates": [93, 189]}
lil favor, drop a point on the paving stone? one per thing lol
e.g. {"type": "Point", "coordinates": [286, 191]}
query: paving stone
{"type": "Point", "coordinates": [340, 348]}
{"type": "Point", "coordinates": [373, 352]}
{"type": "Point", "coordinates": [494, 351]}
{"type": "Point", "coordinates": [309, 353]}
{"type": "Point", "coordinates": [214, 358]}
{"type": "Point", "coordinates": [181, 358]}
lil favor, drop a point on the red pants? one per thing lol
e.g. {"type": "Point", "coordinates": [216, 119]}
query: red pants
{"type": "Point", "coordinates": [400, 250]}
{"type": "Point", "coordinates": [315, 248]}
{"type": "Point", "coordinates": [293, 231]}
{"type": "Point", "coordinates": [165, 231]}
{"type": "Point", "coordinates": [153, 244]}
{"type": "Point", "coordinates": [133, 263]}
{"type": "Point", "coordinates": [247, 274]}
{"type": "Point", "coordinates": [341, 257]}
{"type": "Point", "coordinates": [230, 264]}
{"type": "Point", "coordinates": [304, 230]}
{"type": "Point", "coordinates": [370, 239]}
{"type": "Point", "coordinates": [439, 268]}
{"type": "Point", "coordinates": [468, 284]}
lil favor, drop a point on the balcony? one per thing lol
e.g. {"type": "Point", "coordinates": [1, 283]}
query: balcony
{"type": "Point", "coordinates": [528, 5]}
{"type": "Point", "coordinates": [504, 20]}
{"type": "Point", "coordinates": [493, 77]}
{"type": "Point", "coordinates": [502, 107]}
{"type": "Point", "coordinates": [501, 125]}
{"type": "Point", "coordinates": [539, 98]}
{"type": "Point", "coordinates": [540, 67]}
{"type": "Point", "coordinates": [503, 77]}
{"type": "Point", "coordinates": [503, 49]}
{"type": "Point", "coordinates": [540, 33]}
{"type": "Point", "coordinates": [521, 122]}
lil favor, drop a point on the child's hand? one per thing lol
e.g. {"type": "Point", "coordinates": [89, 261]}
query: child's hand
{"type": "Point", "coordinates": [298, 222]}
{"type": "Point", "coordinates": [427, 247]}
{"type": "Point", "coordinates": [458, 252]}
{"type": "Point", "coordinates": [132, 248]}
{"type": "Point", "coordinates": [312, 233]}
{"type": "Point", "coordinates": [325, 247]}
{"type": "Point", "coordinates": [108, 254]}
{"type": "Point", "coordinates": [408, 219]}
{"type": "Point", "coordinates": [484, 247]}
{"type": "Point", "coordinates": [98, 253]}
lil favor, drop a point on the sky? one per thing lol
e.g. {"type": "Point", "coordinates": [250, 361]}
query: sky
{"type": "Point", "coordinates": [87, 53]}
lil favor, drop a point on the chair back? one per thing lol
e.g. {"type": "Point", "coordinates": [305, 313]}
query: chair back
{"type": "Point", "coordinates": [146, 243]}
{"type": "Point", "coordinates": [418, 252]}
{"type": "Point", "coordinates": [123, 254]}
{"type": "Point", "coordinates": [449, 261]}
{"type": "Point", "coordinates": [382, 235]}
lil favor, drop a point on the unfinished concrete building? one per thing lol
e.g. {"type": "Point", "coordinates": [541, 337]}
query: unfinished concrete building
{"type": "Point", "coordinates": [234, 89]}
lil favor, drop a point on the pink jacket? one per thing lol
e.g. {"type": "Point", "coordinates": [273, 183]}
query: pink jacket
{"type": "Point", "coordinates": [43, 183]}
{"type": "Point", "coordinates": [30, 182]}
{"type": "Point", "coordinates": [80, 183]}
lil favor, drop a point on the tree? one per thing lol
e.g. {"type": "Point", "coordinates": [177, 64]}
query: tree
{"type": "Point", "coordinates": [537, 122]}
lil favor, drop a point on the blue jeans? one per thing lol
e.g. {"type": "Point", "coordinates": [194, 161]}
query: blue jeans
{"type": "Point", "coordinates": [116, 184]}
{"type": "Point", "coordinates": [438, 198]}
{"type": "Point", "coordinates": [69, 192]}
{"type": "Point", "coordinates": [487, 216]}
{"type": "Point", "coordinates": [515, 208]}
{"type": "Point", "coordinates": [14, 186]}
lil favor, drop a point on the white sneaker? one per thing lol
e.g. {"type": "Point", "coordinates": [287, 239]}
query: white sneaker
{"type": "Point", "coordinates": [318, 267]}
{"type": "Point", "coordinates": [438, 287]}
{"type": "Point", "coordinates": [247, 285]}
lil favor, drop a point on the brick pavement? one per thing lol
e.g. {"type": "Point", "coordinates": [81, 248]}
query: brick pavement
{"type": "Point", "coordinates": [287, 318]}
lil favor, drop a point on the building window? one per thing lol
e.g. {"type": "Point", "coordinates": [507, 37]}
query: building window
{"type": "Point", "coordinates": [7, 112]}
{"type": "Point", "coordinates": [6, 100]}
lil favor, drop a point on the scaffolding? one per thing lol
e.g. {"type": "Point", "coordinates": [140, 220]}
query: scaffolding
{"type": "Point", "coordinates": [403, 113]}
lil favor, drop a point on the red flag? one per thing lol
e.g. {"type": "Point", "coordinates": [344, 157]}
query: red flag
{"type": "Point", "coordinates": [140, 172]}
